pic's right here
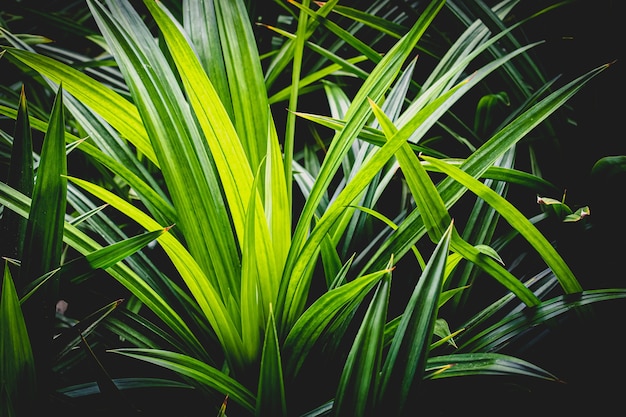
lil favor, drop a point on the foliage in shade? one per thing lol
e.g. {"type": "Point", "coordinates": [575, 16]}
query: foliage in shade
{"type": "Point", "coordinates": [17, 369]}
{"type": "Point", "coordinates": [254, 247]}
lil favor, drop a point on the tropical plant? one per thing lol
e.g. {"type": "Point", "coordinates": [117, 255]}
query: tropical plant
{"type": "Point", "coordinates": [258, 290]}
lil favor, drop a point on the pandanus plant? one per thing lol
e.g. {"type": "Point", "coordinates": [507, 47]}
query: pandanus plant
{"type": "Point", "coordinates": [256, 288]}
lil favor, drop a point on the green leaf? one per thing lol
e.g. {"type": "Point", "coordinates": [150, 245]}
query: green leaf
{"type": "Point", "coordinates": [292, 292]}
{"type": "Point", "coordinates": [332, 308]}
{"type": "Point", "coordinates": [43, 242]}
{"type": "Point", "coordinates": [196, 370]}
{"type": "Point", "coordinates": [91, 388]}
{"type": "Point", "coordinates": [79, 269]}
{"type": "Point", "coordinates": [44, 234]}
{"type": "Point", "coordinates": [21, 177]}
{"type": "Point", "coordinates": [17, 367]}
{"type": "Point", "coordinates": [200, 287]}
{"type": "Point", "coordinates": [432, 207]}
{"type": "Point", "coordinates": [137, 285]}
{"type": "Point", "coordinates": [406, 361]}
{"type": "Point", "coordinates": [247, 94]}
{"type": "Point", "coordinates": [518, 221]}
{"type": "Point", "coordinates": [188, 167]}
{"type": "Point", "coordinates": [271, 399]}
{"type": "Point", "coordinates": [201, 23]}
{"type": "Point", "coordinates": [118, 111]}
{"type": "Point", "coordinates": [360, 376]}
{"type": "Point", "coordinates": [235, 172]}
{"type": "Point", "coordinates": [480, 160]}
{"type": "Point", "coordinates": [468, 364]}
{"type": "Point", "coordinates": [501, 333]}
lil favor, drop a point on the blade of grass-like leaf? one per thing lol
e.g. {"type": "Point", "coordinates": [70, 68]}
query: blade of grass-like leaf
{"type": "Point", "coordinates": [98, 130]}
{"type": "Point", "coordinates": [480, 160]}
{"type": "Point", "coordinates": [541, 284]}
{"type": "Point", "coordinates": [380, 24]}
{"type": "Point", "coordinates": [22, 178]}
{"type": "Point", "coordinates": [406, 360]}
{"type": "Point", "coordinates": [505, 174]}
{"type": "Point", "coordinates": [200, 22]}
{"type": "Point", "coordinates": [236, 177]}
{"type": "Point", "coordinates": [294, 92]}
{"type": "Point", "coordinates": [518, 221]}
{"type": "Point", "coordinates": [358, 384]}
{"type": "Point", "coordinates": [422, 116]}
{"type": "Point", "coordinates": [236, 171]}
{"type": "Point", "coordinates": [435, 214]}
{"type": "Point", "coordinates": [344, 35]}
{"type": "Point", "coordinates": [118, 111]}
{"type": "Point", "coordinates": [254, 294]}
{"type": "Point", "coordinates": [368, 134]}
{"type": "Point", "coordinates": [285, 54]}
{"type": "Point", "coordinates": [17, 366]}
{"type": "Point", "coordinates": [44, 234]}
{"type": "Point", "coordinates": [197, 370]}
{"type": "Point", "coordinates": [473, 38]}
{"type": "Point", "coordinates": [140, 332]}
{"type": "Point", "coordinates": [349, 67]}
{"type": "Point", "coordinates": [278, 207]}
{"type": "Point", "coordinates": [467, 364]}
{"type": "Point", "coordinates": [70, 337]}
{"type": "Point", "coordinates": [499, 334]}
{"type": "Point", "coordinates": [17, 202]}
{"type": "Point", "coordinates": [43, 243]}
{"type": "Point", "coordinates": [222, 138]}
{"type": "Point", "coordinates": [227, 150]}
{"type": "Point", "coordinates": [295, 291]}
{"type": "Point", "coordinates": [312, 78]}
{"type": "Point", "coordinates": [271, 400]}
{"type": "Point", "coordinates": [333, 306]}
{"type": "Point", "coordinates": [330, 260]}
{"type": "Point", "coordinates": [148, 195]}
{"type": "Point", "coordinates": [291, 299]}
{"type": "Point", "coordinates": [391, 224]}
{"type": "Point", "coordinates": [187, 166]}
{"type": "Point", "coordinates": [91, 388]}
{"type": "Point", "coordinates": [78, 269]}
{"type": "Point", "coordinates": [205, 294]}
{"type": "Point", "coordinates": [247, 94]}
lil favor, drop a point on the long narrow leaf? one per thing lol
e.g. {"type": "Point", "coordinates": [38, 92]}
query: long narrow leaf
{"type": "Point", "coordinates": [271, 399]}
{"type": "Point", "coordinates": [334, 306]}
{"type": "Point", "coordinates": [113, 107]}
{"type": "Point", "coordinates": [185, 162]}
{"type": "Point", "coordinates": [358, 384]}
{"type": "Point", "coordinates": [17, 366]}
{"type": "Point", "coordinates": [20, 204]}
{"type": "Point", "coordinates": [435, 213]}
{"type": "Point", "coordinates": [467, 364]}
{"type": "Point", "coordinates": [21, 177]}
{"type": "Point", "coordinates": [291, 299]}
{"type": "Point", "coordinates": [480, 160]}
{"type": "Point", "coordinates": [43, 242]}
{"type": "Point", "coordinates": [196, 370]}
{"type": "Point", "coordinates": [518, 221]}
{"type": "Point", "coordinates": [408, 353]}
